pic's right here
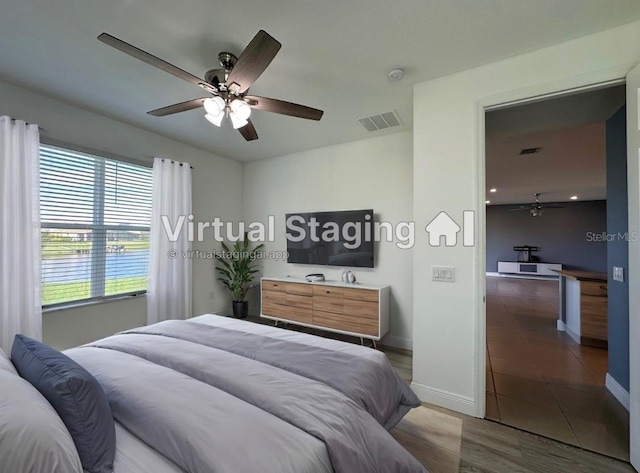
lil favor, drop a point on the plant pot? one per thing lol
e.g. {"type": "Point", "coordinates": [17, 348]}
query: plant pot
{"type": "Point", "coordinates": [240, 309]}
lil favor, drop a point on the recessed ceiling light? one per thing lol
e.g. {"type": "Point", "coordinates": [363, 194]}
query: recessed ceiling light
{"type": "Point", "coordinates": [493, 189]}
{"type": "Point", "coordinates": [574, 197]}
{"type": "Point", "coordinates": [487, 201]}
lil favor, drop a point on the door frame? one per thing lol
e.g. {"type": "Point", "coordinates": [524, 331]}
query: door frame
{"type": "Point", "coordinates": [568, 86]}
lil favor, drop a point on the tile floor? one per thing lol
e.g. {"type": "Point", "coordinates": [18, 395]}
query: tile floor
{"type": "Point", "coordinates": [540, 380]}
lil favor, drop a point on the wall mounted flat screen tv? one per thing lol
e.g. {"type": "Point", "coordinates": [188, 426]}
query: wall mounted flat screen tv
{"type": "Point", "coordinates": [342, 238]}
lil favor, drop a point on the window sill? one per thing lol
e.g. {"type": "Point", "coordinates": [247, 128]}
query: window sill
{"type": "Point", "coordinates": [91, 302]}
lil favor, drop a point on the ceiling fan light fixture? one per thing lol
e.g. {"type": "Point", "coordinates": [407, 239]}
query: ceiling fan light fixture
{"type": "Point", "coordinates": [215, 106]}
{"type": "Point", "coordinates": [236, 121]}
{"type": "Point", "coordinates": [240, 109]}
{"type": "Point", "coordinates": [215, 119]}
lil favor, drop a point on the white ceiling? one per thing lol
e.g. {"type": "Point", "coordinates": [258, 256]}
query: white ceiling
{"type": "Point", "coordinates": [571, 162]}
{"type": "Point", "coordinates": [570, 132]}
{"type": "Point", "coordinates": [335, 55]}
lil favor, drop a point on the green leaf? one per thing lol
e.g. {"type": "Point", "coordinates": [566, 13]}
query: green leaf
{"type": "Point", "coordinates": [237, 268]}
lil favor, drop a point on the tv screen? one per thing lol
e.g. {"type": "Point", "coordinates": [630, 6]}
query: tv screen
{"type": "Point", "coordinates": [342, 238]}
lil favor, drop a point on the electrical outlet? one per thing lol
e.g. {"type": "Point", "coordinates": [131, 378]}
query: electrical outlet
{"type": "Point", "coordinates": [443, 273]}
{"type": "Point", "coordinates": [618, 273]}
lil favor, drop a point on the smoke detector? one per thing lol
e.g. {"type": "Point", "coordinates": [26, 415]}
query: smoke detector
{"type": "Point", "coordinates": [395, 74]}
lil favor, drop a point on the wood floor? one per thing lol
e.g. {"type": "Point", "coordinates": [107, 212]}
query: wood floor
{"type": "Point", "coordinates": [539, 379]}
{"type": "Point", "coordinates": [448, 442]}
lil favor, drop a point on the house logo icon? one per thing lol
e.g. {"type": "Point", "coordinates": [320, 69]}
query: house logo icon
{"type": "Point", "coordinates": [443, 226]}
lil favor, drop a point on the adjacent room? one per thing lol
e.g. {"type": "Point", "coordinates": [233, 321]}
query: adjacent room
{"type": "Point", "coordinates": [548, 368]}
{"type": "Point", "coordinates": [290, 237]}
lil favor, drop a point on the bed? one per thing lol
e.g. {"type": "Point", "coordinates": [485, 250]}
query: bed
{"type": "Point", "coordinates": [215, 394]}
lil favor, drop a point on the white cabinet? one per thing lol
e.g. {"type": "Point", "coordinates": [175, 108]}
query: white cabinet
{"type": "Point", "coordinates": [529, 269]}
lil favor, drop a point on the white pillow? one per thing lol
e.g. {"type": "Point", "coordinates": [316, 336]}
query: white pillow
{"type": "Point", "coordinates": [5, 363]}
{"type": "Point", "coordinates": [32, 437]}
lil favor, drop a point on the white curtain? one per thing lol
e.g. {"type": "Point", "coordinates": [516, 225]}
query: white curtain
{"type": "Point", "coordinates": [20, 303]}
{"type": "Point", "coordinates": [169, 292]}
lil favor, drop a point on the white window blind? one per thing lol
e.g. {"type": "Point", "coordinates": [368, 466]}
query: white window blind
{"type": "Point", "coordinates": [96, 214]}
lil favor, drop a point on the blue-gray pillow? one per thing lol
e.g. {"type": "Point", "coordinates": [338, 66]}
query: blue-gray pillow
{"type": "Point", "coordinates": [75, 395]}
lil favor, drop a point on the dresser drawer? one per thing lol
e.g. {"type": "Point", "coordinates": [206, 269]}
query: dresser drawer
{"type": "Point", "coordinates": [367, 310]}
{"type": "Point", "coordinates": [328, 304]}
{"type": "Point", "coordinates": [296, 300]}
{"type": "Point", "coordinates": [269, 295]}
{"type": "Point", "coordinates": [281, 311]}
{"type": "Point", "coordinates": [345, 323]}
{"type": "Point", "coordinates": [331, 291]}
{"type": "Point", "coordinates": [273, 285]}
{"type": "Point", "coordinates": [299, 289]}
{"type": "Point", "coordinates": [360, 294]}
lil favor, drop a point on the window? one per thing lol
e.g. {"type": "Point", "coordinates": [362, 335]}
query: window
{"type": "Point", "coordinates": [95, 215]}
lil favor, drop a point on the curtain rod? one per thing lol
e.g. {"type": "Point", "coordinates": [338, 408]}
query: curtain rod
{"type": "Point", "coordinates": [27, 123]}
{"type": "Point", "coordinates": [177, 162]}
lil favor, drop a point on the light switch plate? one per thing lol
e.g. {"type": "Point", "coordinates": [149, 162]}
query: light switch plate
{"type": "Point", "coordinates": [443, 273]}
{"type": "Point", "coordinates": [618, 273]}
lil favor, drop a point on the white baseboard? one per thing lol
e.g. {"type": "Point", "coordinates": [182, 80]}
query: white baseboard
{"type": "Point", "coordinates": [398, 342]}
{"type": "Point", "coordinates": [620, 393]}
{"type": "Point", "coordinates": [572, 334]}
{"type": "Point", "coordinates": [561, 326]}
{"type": "Point", "coordinates": [448, 400]}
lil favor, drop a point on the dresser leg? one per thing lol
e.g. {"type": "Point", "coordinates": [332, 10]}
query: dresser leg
{"type": "Point", "coordinates": [375, 345]}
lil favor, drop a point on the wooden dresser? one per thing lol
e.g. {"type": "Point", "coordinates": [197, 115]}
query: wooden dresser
{"type": "Point", "coordinates": [361, 310]}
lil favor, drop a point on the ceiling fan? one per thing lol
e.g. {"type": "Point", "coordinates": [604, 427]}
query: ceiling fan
{"type": "Point", "coordinates": [228, 86]}
{"type": "Point", "coordinates": [537, 208]}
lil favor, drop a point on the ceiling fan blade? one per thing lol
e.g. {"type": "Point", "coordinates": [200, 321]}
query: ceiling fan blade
{"type": "Point", "coordinates": [553, 206]}
{"type": "Point", "coordinates": [177, 108]}
{"type": "Point", "coordinates": [255, 58]}
{"type": "Point", "coordinates": [520, 209]}
{"type": "Point", "coordinates": [248, 131]}
{"type": "Point", "coordinates": [284, 108]}
{"type": "Point", "coordinates": [151, 59]}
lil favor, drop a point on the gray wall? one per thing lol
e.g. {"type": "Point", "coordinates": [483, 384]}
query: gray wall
{"type": "Point", "coordinates": [561, 234]}
{"type": "Point", "coordinates": [618, 249]}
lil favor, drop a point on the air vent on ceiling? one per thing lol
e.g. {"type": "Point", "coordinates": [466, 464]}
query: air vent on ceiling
{"type": "Point", "coordinates": [380, 122]}
{"type": "Point", "coordinates": [529, 151]}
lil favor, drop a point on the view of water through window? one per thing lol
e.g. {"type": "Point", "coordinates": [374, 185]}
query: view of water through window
{"type": "Point", "coordinates": [95, 216]}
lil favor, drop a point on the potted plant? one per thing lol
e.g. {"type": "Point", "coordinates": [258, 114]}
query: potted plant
{"type": "Point", "coordinates": [236, 270]}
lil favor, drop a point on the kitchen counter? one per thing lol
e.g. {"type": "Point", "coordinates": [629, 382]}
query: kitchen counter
{"type": "Point", "coordinates": [583, 306]}
{"type": "Point", "coordinates": [583, 275]}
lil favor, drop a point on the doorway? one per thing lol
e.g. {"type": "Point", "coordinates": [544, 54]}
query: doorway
{"type": "Point", "coordinates": [546, 211]}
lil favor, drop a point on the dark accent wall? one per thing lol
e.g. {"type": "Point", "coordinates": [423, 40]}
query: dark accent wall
{"type": "Point", "coordinates": [618, 249]}
{"type": "Point", "coordinates": [567, 235]}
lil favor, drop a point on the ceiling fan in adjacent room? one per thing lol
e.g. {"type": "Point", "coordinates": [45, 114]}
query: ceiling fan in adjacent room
{"type": "Point", "coordinates": [228, 86]}
{"type": "Point", "coordinates": [537, 208]}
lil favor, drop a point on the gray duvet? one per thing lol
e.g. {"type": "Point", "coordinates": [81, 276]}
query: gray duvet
{"type": "Point", "coordinates": [215, 398]}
